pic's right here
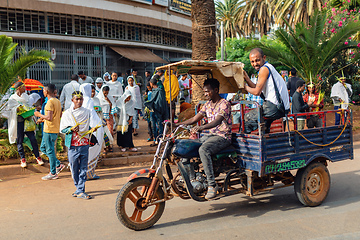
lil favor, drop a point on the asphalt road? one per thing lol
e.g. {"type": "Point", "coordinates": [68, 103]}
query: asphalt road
{"type": "Point", "coordinates": [34, 209]}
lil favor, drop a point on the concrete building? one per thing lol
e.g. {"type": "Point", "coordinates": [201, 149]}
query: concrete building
{"type": "Point", "coordinates": [98, 35]}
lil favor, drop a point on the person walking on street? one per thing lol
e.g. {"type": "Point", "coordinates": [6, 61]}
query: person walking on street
{"type": "Point", "coordinates": [126, 114]}
{"type": "Point", "coordinates": [51, 121]}
{"type": "Point", "coordinates": [159, 106]}
{"type": "Point", "coordinates": [75, 123]}
{"type": "Point", "coordinates": [18, 126]}
{"type": "Point", "coordinates": [137, 103]}
{"type": "Point", "coordinates": [340, 94]}
{"type": "Point", "coordinates": [68, 89]}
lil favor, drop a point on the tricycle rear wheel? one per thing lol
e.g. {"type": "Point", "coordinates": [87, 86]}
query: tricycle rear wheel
{"type": "Point", "coordinates": [312, 184]}
{"type": "Point", "coordinates": [130, 207]}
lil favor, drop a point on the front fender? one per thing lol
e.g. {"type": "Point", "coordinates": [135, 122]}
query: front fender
{"type": "Point", "coordinates": [140, 172]}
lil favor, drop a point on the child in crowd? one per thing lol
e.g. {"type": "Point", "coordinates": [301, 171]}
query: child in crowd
{"type": "Point", "coordinates": [126, 115]}
{"type": "Point", "coordinates": [136, 95]}
{"type": "Point", "coordinates": [106, 104]}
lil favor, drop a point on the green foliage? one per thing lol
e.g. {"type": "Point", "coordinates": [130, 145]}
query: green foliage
{"type": "Point", "coordinates": [237, 50]}
{"type": "Point", "coordinates": [227, 11]}
{"type": "Point", "coordinates": [307, 48]}
{"type": "Point", "coordinates": [10, 68]}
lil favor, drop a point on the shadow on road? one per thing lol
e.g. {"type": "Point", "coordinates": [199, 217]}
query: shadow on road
{"type": "Point", "coordinates": [342, 192]}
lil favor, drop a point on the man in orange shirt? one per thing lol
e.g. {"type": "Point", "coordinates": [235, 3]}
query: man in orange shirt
{"type": "Point", "coordinates": [51, 130]}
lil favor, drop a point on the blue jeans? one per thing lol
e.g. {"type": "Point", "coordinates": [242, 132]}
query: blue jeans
{"type": "Point", "coordinates": [20, 139]}
{"type": "Point", "coordinates": [156, 121]}
{"type": "Point", "coordinates": [211, 144]}
{"type": "Point", "coordinates": [78, 159]}
{"type": "Point", "coordinates": [48, 147]}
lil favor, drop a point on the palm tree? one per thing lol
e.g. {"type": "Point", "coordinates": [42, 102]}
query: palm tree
{"type": "Point", "coordinates": [308, 49]}
{"type": "Point", "coordinates": [203, 39]}
{"type": "Point", "coordinates": [10, 68]}
{"type": "Point", "coordinates": [227, 12]}
{"type": "Point", "coordinates": [255, 16]}
{"type": "Point", "coordinates": [295, 11]}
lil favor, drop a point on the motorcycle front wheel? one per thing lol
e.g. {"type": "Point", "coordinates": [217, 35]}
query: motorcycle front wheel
{"type": "Point", "coordinates": [130, 207]}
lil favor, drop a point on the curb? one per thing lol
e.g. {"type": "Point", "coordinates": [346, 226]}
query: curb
{"type": "Point", "coordinates": [33, 168]}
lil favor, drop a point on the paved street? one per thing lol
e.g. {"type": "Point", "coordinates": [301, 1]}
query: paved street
{"type": "Point", "coordinates": [34, 209]}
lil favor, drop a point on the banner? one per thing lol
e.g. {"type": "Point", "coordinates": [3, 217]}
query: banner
{"type": "Point", "coordinates": [164, 3]}
{"type": "Point", "coordinates": [181, 6]}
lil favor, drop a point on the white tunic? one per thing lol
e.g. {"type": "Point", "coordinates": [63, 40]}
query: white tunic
{"type": "Point", "coordinates": [338, 90]}
{"type": "Point", "coordinates": [269, 90]}
{"type": "Point", "coordinates": [66, 94]}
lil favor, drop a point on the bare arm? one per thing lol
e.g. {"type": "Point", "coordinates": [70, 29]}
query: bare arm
{"type": "Point", "coordinates": [213, 124]}
{"type": "Point", "coordinates": [257, 88]}
{"type": "Point", "coordinates": [49, 116]}
{"type": "Point", "coordinates": [192, 120]}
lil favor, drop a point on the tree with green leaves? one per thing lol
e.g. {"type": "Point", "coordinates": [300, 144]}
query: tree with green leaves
{"type": "Point", "coordinates": [255, 16]}
{"type": "Point", "coordinates": [10, 67]}
{"type": "Point", "coordinates": [296, 11]}
{"type": "Point", "coordinates": [227, 12]}
{"type": "Point", "coordinates": [309, 50]}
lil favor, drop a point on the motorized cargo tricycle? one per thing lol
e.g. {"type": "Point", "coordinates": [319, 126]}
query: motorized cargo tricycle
{"type": "Point", "coordinates": [255, 163]}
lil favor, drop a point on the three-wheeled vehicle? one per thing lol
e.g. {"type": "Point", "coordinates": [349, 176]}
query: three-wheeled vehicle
{"type": "Point", "coordinates": [254, 164]}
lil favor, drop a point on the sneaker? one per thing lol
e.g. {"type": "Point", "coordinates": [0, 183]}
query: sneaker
{"type": "Point", "coordinates": [50, 176]}
{"type": "Point", "coordinates": [60, 168]}
{"type": "Point", "coordinates": [211, 192]}
{"type": "Point", "coordinates": [23, 163]}
{"type": "Point", "coordinates": [40, 161]}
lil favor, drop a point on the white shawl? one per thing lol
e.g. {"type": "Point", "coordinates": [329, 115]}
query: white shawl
{"type": "Point", "coordinates": [126, 110]}
{"type": "Point", "coordinates": [14, 102]}
{"type": "Point", "coordinates": [136, 95]}
{"type": "Point", "coordinates": [105, 106]}
{"type": "Point", "coordinates": [80, 117]}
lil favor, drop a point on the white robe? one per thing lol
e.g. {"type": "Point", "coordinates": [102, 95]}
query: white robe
{"type": "Point", "coordinates": [14, 102]}
{"type": "Point", "coordinates": [126, 110]}
{"type": "Point", "coordinates": [338, 90]}
{"type": "Point", "coordinates": [136, 96]}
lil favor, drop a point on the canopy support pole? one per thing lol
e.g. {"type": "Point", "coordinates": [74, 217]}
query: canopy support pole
{"type": "Point", "coordinates": [171, 120]}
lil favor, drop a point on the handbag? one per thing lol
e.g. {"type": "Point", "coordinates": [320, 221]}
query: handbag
{"type": "Point", "coordinates": [29, 125]}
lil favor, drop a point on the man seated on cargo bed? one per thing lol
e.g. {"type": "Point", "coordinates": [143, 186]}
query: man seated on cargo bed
{"type": "Point", "coordinates": [218, 112]}
{"type": "Point", "coordinates": [270, 87]}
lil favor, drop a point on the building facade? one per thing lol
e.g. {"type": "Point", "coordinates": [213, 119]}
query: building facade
{"type": "Point", "coordinates": [98, 36]}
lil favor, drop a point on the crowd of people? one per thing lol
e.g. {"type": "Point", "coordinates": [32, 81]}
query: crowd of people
{"type": "Point", "coordinates": [89, 115]}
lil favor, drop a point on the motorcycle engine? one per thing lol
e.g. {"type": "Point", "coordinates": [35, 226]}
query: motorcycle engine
{"type": "Point", "coordinates": [199, 184]}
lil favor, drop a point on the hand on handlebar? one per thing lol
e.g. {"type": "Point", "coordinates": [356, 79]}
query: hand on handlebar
{"type": "Point", "coordinates": [196, 129]}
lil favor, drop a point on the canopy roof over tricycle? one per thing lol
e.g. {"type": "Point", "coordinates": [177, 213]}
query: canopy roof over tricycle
{"type": "Point", "coordinates": [229, 74]}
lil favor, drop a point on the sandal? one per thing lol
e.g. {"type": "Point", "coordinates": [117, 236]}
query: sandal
{"type": "Point", "coordinates": [123, 149]}
{"type": "Point", "coordinates": [133, 149]}
{"type": "Point", "coordinates": [135, 134]}
{"type": "Point", "coordinates": [84, 196]}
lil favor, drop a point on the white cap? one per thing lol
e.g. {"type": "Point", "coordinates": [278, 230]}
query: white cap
{"type": "Point", "coordinates": [99, 80]}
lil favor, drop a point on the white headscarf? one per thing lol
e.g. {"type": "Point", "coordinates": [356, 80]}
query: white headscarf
{"type": "Point", "coordinates": [85, 88]}
{"type": "Point", "coordinates": [97, 89]}
{"type": "Point", "coordinates": [33, 98]}
{"type": "Point", "coordinates": [104, 104]}
{"type": "Point", "coordinates": [106, 74]}
{"type": "Point", "coordinates": [126, 110]}
{"type": "Point", "coordinates": [135, 92]}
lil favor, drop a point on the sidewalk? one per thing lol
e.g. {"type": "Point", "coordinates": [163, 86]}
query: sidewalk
{"type": "Point", "coordinates": [144, 155]}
